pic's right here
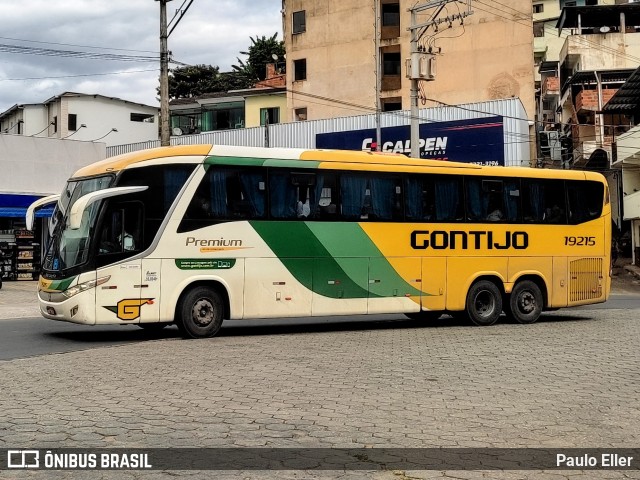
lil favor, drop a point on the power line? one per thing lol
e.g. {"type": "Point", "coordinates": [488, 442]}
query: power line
{"type": "Point", "coordinates": [76, 76]}
{"type": "Point", "coordinates": [75, 45]}
{"type": "Point", "coordinates": [17, 49]}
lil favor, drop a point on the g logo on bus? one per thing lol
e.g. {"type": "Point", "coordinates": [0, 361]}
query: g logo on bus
{"type": "Point", "coordinates": [129, 308]}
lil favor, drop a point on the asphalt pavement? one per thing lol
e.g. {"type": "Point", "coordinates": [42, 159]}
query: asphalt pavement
{"type": "Point", "coordinates": [570, 380]}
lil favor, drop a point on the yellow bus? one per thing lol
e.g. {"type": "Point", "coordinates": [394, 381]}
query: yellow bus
{"type": "Point", "coordinates": [196, 234]}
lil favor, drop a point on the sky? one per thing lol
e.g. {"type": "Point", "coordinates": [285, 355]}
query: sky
{"type": "Point", "coordinates": [99, 33]}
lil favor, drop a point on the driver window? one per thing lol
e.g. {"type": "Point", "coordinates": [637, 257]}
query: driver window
{"type": "Point", "coordinates": [121, 229]}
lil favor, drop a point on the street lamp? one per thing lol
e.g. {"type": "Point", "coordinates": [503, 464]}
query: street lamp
{"type": "Point", "coordinates": [82, 125]}
{"type": "Point", "coordinates": [100, 138]}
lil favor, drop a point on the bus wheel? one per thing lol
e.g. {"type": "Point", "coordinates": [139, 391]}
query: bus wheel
{"type": "Point", "coordinates": [200, 313]}
{"type": "Point", "coordinates": [525, 302]}
{"type": "Point", "coordinates": [484, 303]}
{"type": "Point", "coordinates": [424, 315]}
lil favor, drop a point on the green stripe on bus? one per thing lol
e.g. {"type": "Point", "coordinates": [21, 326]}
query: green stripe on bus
{"type": "Point", "coordinates": [274, 162]}
{"type": "Point", "coordinates": [260, 162]}
{"type": "Point", "coordinates": [338, 258]}
{"type": "Point", "coordinates": [243, 161]}
{"type": "Point", "coordinates": [60, 285]}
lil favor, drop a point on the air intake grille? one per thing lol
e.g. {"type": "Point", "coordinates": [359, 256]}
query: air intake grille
{"type": "Point", "coordinates": [585, 279]}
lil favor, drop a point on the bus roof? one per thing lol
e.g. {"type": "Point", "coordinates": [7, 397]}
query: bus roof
{"type": "Point", "coordinates": [321, 159]}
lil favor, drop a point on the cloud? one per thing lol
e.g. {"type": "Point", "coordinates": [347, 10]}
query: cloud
{"type": "Point", "coordinates": [212, 32]}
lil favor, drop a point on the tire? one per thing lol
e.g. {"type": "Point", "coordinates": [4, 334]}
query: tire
{"type": "Point", "coordinates": [424, 315]}
{"type": "Point", "coordinates": [525, 302]}
{"type": "Point", "coordinates": [200, 313]}
{"type": "Point", "coordinates": [484, 303]}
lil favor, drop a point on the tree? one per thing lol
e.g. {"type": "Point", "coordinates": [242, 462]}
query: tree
{"type": "Point", "coordinates": [260, 53]}
{"type": "Point", "coordinates": [196, 80]}
{"type": "Point", "coordinates": [193, 81]}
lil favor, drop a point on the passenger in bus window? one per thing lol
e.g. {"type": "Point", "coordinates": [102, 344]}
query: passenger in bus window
{"type": "Point", "coordinates": [554, 215]}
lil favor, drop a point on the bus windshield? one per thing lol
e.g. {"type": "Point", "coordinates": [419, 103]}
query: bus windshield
{"type": "Point", "coordinates": [70, 248]}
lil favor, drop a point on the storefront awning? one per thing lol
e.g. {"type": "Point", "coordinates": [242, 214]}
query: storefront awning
{"type": "Point", "coordinates": [14, 205]}
{"type": "Point", "coordinates": [20, 212]}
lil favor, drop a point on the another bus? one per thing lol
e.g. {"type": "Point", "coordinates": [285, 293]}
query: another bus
{"type": "Point", "coordinates": [196, 234]}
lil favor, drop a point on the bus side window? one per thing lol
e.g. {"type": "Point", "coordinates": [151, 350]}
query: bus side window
{"type": "Point", "coordinates": [585, 201]}
{"type": "Point", "coordinates": [447, 194]}
{"type": "Point", "coordinates": [543, 201]}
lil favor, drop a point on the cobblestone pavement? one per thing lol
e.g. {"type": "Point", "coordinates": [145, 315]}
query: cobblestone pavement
{"type": "Point", "coordinates": [570, 380]}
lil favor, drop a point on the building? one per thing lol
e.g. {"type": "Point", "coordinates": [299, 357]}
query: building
{"type": "Point", "coordinates": [80, 116]}
{"type": "Point", "coordinates": [626, 160]}
{"type": "Point", "coordinates": [33, 168]}
{"type": "Point", "coordinates": [500, 135]}
{"type": "Point", "coordinates": [335, 70]}
{"type": "Point", "coordinates": [264, 103]}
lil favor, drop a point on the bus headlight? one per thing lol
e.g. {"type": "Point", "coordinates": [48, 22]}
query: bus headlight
{"type": "Point", "coordinates": [81, 287]}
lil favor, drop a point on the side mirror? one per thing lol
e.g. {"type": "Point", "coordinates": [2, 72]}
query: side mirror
{"type": "Point", "coordinates": [31, 210]}
{"type": "Point", "coordinates": [75, 216]}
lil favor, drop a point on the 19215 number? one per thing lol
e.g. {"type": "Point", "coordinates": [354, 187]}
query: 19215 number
{"type": "Point", "coordinates": [580, 241]}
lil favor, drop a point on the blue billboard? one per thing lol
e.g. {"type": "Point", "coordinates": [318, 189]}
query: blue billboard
{"type": "Point", "coordinates": [478, 140]}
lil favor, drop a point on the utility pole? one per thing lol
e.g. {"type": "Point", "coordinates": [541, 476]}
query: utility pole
{"type": "Point", "coordinates": [376, 56]}
{"type": "Point", "coordinates": [164, 76]}
{"type": "Point", "coordinates": [421, 66]}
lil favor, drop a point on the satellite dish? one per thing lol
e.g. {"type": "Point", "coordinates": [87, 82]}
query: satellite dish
{"type": "Point", "coordinates": [177, 131]}
{"type": "Point", "coordinates": [605, 29]}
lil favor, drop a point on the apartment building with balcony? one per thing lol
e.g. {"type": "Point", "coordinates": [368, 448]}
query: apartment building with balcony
{"type": "Point", "coordinates": [601, 48]}
{"type": "Point", "coordinates": [332, 61]}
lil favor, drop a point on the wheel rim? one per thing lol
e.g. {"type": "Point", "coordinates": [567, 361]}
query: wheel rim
{"type": "Point", "coordinates": [484, 303]}
{"type": "Point", "coordinates": [527, 302]}
{"type": "Point", "coordinates": [202, 313]}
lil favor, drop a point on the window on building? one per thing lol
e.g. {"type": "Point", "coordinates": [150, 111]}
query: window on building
{"type": "Point", "coordinates": [300, 69]}
{"type": "Point", "coordinates": [538, 8]}
{"type": "Point", "coordinates": [390, 14]}
{"type": "Point", "coordinates": [299, 22]}
{"type": "Point", "coordinates": [142, 117]}
{"type": "Point", "coordinates": [72, 122]}
{"type": "Point", "coordinates": [269, 115]}
{"type": "Point", "coordinates": [570, 4]}
{"type": "Point", "coordinates": [538, 29]}
{"type": "Point", "coordinates": [300, 114]}
{"type": "Point", "coordinates": [391, 104]}
{"type": "Point", "coordinates": [391, 63]}
{"type": "Point", "coordinates": [54, 124]}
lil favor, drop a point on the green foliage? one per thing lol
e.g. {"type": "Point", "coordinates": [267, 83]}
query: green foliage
{"type": "Point", "coordinates": [260, 53]}
{"type": "Point", "coordinates": [196, 80]}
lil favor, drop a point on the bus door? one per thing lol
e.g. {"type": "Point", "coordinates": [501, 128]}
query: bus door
{"type": "Point", "coordinates": [119, 243]}
{"type": "Point", "coordinates": [434, 279]}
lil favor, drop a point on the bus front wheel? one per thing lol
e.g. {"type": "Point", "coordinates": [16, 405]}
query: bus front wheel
{"type": "Point", "coordinates": [200, 313]}
{"type": "Point", "coordinates": [525, 302]}
{"type": "Point", "coordinates": [484, 303]}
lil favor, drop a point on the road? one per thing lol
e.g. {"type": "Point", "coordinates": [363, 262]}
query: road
{"type": "Point", "coordinates": [32, 336]}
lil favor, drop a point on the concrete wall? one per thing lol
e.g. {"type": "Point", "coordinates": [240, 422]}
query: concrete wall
{"type": "Point", "coordinates": [490, 58]}
{"type": "Point", "coordinates": [42, 166]}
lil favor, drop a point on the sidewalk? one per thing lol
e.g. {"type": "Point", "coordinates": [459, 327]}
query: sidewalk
{"type": "Point", "coordinates": [19, 299]}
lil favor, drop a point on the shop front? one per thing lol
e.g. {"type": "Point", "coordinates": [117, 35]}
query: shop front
{"type": "Point", "coordinates": [21, 249]}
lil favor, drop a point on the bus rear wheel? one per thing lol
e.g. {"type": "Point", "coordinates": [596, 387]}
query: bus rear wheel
{"type": "Point", "coordinates": [200, 313]}
{"type": "Point", "coordinates": [424, 315]}
{"type": "Point", "coordinates": [525, 302]}
{"type": "Point", "coordinates": [484, 303]}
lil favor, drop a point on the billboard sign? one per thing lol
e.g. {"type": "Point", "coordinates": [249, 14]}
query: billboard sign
{"type": "Point", "coordinates": [478, 140]}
